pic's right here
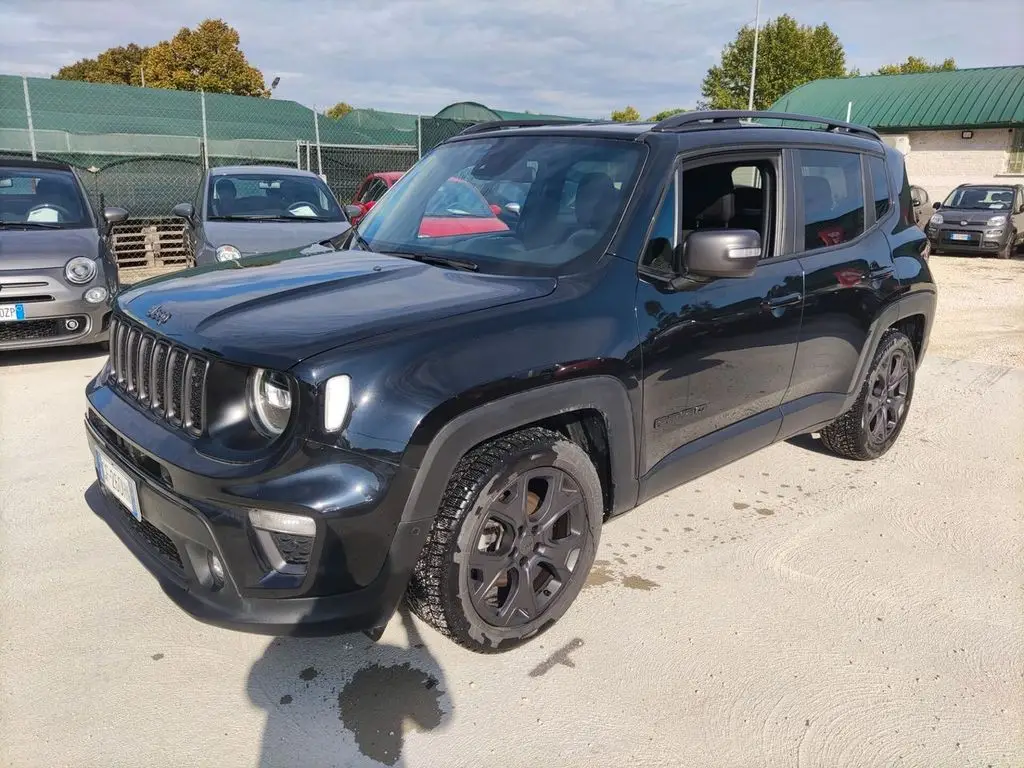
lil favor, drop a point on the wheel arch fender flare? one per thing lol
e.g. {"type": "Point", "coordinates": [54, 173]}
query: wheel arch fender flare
{"type": "Point", "coordinates": [605, 394]}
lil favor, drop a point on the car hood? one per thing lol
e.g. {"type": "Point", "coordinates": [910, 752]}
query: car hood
{"type": "Point", "coordinates": [31, 249]}
{"type": "Point", "coordinates": [278, 309]}
{"type": "Point", "coordinates": [971, 215]}
{"type": "Point", "coordinates": [252, 237]}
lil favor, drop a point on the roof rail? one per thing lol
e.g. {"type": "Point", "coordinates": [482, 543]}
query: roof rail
{"type": "Point", "coordinates": [731, 118]}
{"type": "Point", "coordinates": [497, 125]}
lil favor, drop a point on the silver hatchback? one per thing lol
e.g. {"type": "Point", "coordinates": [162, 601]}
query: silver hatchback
{"type": "Point", "coordinates": [57, 274]}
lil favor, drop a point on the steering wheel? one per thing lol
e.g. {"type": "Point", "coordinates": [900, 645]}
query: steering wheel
{"type": "Point", "coordinates": [64, 212]}
{"type": "Point", "coordinates": [300, 203]}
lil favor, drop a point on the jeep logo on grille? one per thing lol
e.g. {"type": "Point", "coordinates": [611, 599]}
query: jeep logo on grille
{"type": "Point", "coordinates": [159, 314]}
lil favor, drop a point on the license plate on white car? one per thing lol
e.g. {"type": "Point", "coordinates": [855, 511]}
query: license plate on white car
{"type": "Point", "coordinates": [960, 236]}
{"type": "Point", "coordinates": [11, 312]}
{"type": "Point", "coordinates": [117, 481]}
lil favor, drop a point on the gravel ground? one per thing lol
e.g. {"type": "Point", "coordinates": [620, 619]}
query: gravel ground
{"type": "Point", "coordinates": [792, 609]}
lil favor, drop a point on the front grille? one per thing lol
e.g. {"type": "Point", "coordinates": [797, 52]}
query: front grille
{"type": "Point", "coordinates": [152, 538]}
{"type": "Point", "coordinates": [50, 328]}
{"type": "Point", "coordinates": [167, 378]}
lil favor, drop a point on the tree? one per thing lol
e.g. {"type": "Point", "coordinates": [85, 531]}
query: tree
{"type": "Point", "coordinates": [339, 110]}
{"type": "Point", "coordinates": [788, 55]}
{"type": "Point", "coordinates": [914, 65]}
{"type": "Point", "coordinates": [627, 115]}
{"type": "Point", "coordinates": [666, 113]}
{"type": "Point", "coordinates": [207, 58]}
{"type": "Point", "coordinates": [121, 66]}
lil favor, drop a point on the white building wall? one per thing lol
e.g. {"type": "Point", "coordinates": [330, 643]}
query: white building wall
{"type": "Point", "coordinates": [941, 160]}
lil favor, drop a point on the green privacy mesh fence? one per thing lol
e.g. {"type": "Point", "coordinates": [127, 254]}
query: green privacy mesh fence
{"type": "Point", "coordinates": [146, 149]}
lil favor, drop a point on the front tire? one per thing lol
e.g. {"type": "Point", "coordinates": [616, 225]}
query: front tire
{"type": "Point", "coordinates": [512, 543]}
{"type": "Point", "coordinates": [1011, 246]}
{"type": "Point", "coordinates": [870, 428]}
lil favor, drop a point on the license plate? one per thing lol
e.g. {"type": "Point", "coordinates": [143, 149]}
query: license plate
{"type": "Point", "coordinates": [961, 236]}
{"type": "Point", "coordinates": [117, 481]}
{"type": "Point", "coordinates": [11, 312]}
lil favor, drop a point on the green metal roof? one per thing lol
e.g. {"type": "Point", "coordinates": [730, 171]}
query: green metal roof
{"type": "Point", "coordinates": [475, 112]}
{"type": "Point", "coordinates": [987, 97]}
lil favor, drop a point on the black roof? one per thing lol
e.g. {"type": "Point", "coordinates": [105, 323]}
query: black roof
{"type": "Point", "coordinates": [25, 162]}
{"type": "Point", "coordinates": [685, 122]}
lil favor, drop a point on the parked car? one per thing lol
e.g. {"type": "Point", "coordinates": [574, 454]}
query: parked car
{"type": "Point", "coordinates": [246, 210]}
{"type": "Point", "coordinates": [456, 208]}
{"type": "Point", "coordinates": [979, 218]}
{"type": "Point", "coordinates": [57, 271]}
{"type": "Point", "coordinates": [295, 447]}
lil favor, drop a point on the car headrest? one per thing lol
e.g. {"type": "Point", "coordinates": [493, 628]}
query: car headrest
{"type": "Point", "coordinates": [596, 198]}
{"type": "Point", "coordinates": [817, 193]}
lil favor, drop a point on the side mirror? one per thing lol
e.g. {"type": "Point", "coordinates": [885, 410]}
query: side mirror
{"type": "Point", "coordinates": [353, 212]}
{"type": "Point", "coordinates": [722, 252]}
{"type": "Point", "coordinates": [183, 211]}
{"type": "Point", "coordinates": [513, 208]}
{"type": "Point", "coordinates": [115, 215]}
{"type": "Point", "coordinates": [495, 209]}
{"type": "Point", "coordinates": [936, 205]}
{"type": "Point", "coordinates": [1020, 208]}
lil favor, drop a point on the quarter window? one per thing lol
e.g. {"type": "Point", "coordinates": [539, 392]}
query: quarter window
{"type": "Point", "coordinates": [879, 186]}
{"type": "Point", "coordinates": [833, 197]}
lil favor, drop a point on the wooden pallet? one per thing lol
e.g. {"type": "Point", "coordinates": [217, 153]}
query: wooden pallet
{"type": "Point", "coordinates": [151, 244]}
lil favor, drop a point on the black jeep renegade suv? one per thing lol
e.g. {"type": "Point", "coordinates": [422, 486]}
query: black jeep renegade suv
{"type": "Point", "coordinates": [294, 443]}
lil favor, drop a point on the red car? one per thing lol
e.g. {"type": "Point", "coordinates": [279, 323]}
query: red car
{"type": "Point", "coordinates": [457, 207]}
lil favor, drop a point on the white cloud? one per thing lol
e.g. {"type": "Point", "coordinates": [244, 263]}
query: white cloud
{"type": "Point", "coordinates": [416, 56]}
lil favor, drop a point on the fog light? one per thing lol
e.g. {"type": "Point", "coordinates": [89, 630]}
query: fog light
{"type": "Point", "coordinates": [216, 569]}
{"type": "Point", "coordinates": [71, 324]}
{"type": "Point", "coordinates": [96, 295]}
{"type": "Point", "coordinates": [282, 522]}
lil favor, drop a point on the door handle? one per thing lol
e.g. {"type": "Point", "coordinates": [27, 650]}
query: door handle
{"type": "Point", "coordinates": [781, 301]}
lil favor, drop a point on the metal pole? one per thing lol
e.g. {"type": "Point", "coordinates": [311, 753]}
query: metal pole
{"type": "Point", "coordinates": [849, 110]}
{"type": "Point", "coordinates": [753, 63]}
{"type": "Point", "coordinates": [206, 149]}
{"type": "Point", "coordinates": [28, 115]}
{"type": "Point", "coordinates": [142, 72]}
{"type": "Point", "coordinates": [419, 135]}
{"type": "Point", "coordinates": [298, 153]}
{"type": "Point", "coordinates": [316, 132]}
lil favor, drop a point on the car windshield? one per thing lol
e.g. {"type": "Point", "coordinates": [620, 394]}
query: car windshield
{"type": "Point", "coordinates": [980, 198]}
{"type": "Point", "coordinates": [512, 204]}
{"type": "Point", "coordinates": [43, 197]}
{"type": "Point", "coordinates": [271, 196]}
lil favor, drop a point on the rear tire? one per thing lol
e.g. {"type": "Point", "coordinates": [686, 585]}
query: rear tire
{"type": "Point", "coordinates": [870, 428]}
{"type": "Point", "coordinates": [512, 543]}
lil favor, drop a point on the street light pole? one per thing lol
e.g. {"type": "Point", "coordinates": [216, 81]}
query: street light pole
{"type": "Point", "coordinates": [753, 64]}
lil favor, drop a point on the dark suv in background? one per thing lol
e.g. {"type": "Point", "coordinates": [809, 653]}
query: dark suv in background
{"type": "Point", "coordinates": [294, 443]}
{"type": "Point", "coordinates": [979, 218]}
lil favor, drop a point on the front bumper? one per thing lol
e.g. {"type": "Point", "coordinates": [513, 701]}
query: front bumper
{"type": "Point", "coordinates": [52, 313]}
{"type": "Point", "coordinates": [358, 566]}
{"type": "Point", "coordinates": [949, 237]}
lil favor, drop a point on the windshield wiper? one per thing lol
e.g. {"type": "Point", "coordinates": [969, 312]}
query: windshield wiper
{"type": "Point", "coordinates": [268, 217]}
{"type": "Point", "coordinates": [31, 224]}
{"type": "Point", "coordinates": [443, 261]}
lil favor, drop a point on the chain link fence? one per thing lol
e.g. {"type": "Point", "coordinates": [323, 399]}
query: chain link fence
{"type": "Point", "coordinates": [147, 149]}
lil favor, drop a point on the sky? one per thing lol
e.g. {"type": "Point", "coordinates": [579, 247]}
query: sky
{"type": "Point", "coordinates": [575, 58]}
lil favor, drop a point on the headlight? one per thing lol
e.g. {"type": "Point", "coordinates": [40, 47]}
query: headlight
{"type": "Point", "coordinates": [228, 253]}
{"type": "Point", "coordinates": [936, 219]}
{"type": "Point", "coordinates": [996, 221]}
{"type": "Point", "coordinates": [96, 294]}
{"type": "Point", "coordinates": [270, 401]}
{"type": "Point", "coordinates": [337, 397]}
{"type": "Point", "coordinates": [80, 270]}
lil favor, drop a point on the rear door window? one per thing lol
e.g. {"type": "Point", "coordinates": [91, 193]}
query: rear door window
{"type": "Point", "coordinates": [832, 189]}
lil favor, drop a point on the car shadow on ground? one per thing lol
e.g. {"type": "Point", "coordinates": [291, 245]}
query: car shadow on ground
{"type": "Point", "coordinates": [43, 355]}
{"type": "Point", "coordinates": [346, 700]}
{"type": "Point", "coordinates": [810, 443]}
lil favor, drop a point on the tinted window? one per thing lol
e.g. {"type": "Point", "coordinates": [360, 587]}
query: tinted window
{"type": "Point", "coordinates": [833, 197]}
{"type": "Point", "coordinates": [980, 198]}
{"type": "Point", "coordinates": [879, 186]}
{"type": "Point", "coordinates": [663, 237]}
{"type": "Point", "coordinates": [577, 188]}
{"type": "Point", "coordinates": [41, 196]}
